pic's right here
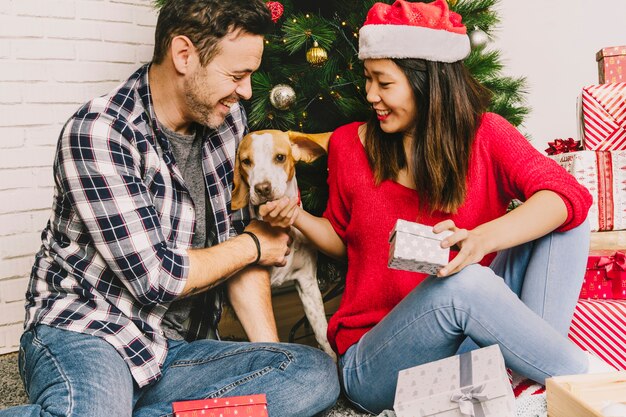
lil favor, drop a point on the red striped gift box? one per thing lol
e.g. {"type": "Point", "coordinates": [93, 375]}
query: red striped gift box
{"type": "Point", "coordinates": [599, 326]}
{"type": "Point", "coordinates": [604, 117]}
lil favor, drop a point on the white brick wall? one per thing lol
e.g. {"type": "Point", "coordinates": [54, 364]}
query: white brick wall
{"type": "Point", "coordinates": [54, 56]}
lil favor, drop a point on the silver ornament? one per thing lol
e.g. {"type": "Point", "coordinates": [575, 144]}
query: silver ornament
{"type": "Point", "coordinates": [282, 96]}
{"type": "Point", "coordinates": [478, 38]}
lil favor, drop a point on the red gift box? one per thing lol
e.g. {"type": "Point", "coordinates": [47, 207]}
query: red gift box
{"type": "Point", "coordinates": [599, 326]}
{"type": "Point", "coordinates": [612, 64]}
{"type": "Point", "coordinates": [604, 117]}
{"type": "Point", "coordinates": [245, 406]}
{"type": "Point", "coordinates": [606, 276]}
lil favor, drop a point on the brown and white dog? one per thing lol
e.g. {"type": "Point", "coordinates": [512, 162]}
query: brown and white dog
{"type": "Point", "coordinates": [265, 171]}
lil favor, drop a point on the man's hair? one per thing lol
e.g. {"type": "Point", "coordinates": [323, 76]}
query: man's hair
{"type": "Point", "coordinates": [205, 22]}
{"type": "Point", "coordinates": [449, 104]}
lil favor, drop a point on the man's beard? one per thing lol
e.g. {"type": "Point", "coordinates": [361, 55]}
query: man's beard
{"type": "Point", "coordinates": [201, 111]}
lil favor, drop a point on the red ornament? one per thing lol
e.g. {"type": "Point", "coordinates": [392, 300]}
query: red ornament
{"type": "Point", "coordinates": [276, 9]}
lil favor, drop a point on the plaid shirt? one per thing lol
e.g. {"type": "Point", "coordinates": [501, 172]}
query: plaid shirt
{"type": "Point", "coordinates": [114, 252]}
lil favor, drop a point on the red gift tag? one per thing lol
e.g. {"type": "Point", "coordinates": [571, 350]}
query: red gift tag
{"type": "Point", "coordinates": [244, 406]}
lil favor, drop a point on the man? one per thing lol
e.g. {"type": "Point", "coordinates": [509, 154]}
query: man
{"type": "Point", "coordinates": [125, 293]}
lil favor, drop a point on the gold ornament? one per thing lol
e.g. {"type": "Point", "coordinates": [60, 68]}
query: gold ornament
{"type": "Point", "coordinates": [282, 96]}
{"type": "Point", "coordinates": [316, 55]}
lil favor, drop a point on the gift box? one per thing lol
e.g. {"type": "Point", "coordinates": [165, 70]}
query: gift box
{"type": "Point", "coordinates": [604, 175]}
{"type": "Point", "coordinates": [471, 384]}
{"type": "Point", "coordinates": [605, 277]}
{"type": "Point", "coordinates": [244, 406]}
{"type": "Point", "coordinates": [604, 117]}
{"type": "Point", "coordinates": [611, 64]}
{"type": "Point", "coordinates": [414, 247]}
{"type": "Point", "coordinates": [585, 395]}
{"type": "Point", "coordinates": [599, 326]}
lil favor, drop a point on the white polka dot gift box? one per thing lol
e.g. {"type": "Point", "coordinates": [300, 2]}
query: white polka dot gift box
{"type": "Point", "coordinates": [471, 384]}
{"type": "Point", "coordinates": [244, 406]}
{"type": "Point", "coordinates": [414, 247]}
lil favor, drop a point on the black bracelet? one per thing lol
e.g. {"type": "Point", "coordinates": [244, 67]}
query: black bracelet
{"type": "Point", "coordinates": [258, 246]}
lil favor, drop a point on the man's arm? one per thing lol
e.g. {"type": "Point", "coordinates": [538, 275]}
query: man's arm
{"type": "Point", "coordinates": [250, 296]}
{"type": "Point", "coordinates": [210, 266]}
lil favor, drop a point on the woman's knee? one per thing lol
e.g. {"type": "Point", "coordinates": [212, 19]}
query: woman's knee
{"type": "Point", "coordinates": [473, 281]}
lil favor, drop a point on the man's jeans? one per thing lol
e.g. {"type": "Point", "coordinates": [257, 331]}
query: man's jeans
{"type": "Point", "coordinates": [524, 303]}
{"type": "Point", "coordinates": [71, 374]}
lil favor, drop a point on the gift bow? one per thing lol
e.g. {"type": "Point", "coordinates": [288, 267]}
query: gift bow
{"type": "Point", "coordinates": [613, 264]}
{"type": "Point", "coordinates": [563, 146]}
{"type": "Point", "coordinates": [467, 397]}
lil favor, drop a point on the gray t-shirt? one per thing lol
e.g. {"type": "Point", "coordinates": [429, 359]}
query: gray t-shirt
{"type": "Point", "coordinates": [187, 150]}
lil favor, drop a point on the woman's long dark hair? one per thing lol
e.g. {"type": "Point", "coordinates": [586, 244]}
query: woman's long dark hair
{"type": "Point", "coordinates": [450, 103]}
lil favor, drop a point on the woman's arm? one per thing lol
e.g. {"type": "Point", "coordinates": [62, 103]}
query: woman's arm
{"type": "Point", "coordinates": [285, 212]}
{"type": "Point", "coordinates": [542, 213]}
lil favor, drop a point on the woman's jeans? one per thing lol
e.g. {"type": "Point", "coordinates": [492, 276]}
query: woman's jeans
{"type": "Point", "coordinates": [524, 302]}
{"type": "Point", "coordinates": [72, 374]}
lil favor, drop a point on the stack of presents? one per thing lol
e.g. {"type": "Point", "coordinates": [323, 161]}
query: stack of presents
{"type": "Point", "coordinates": [476, 383]}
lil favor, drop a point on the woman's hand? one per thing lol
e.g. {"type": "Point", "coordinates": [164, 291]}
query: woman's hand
{"type": "Point", "coordinates": [280, 213]}
{"type": "Point", "coordinates": [472, 247]}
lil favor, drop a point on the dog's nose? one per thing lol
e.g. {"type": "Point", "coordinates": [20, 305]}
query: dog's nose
{"type": "Point", "coordinates": [263, 189]}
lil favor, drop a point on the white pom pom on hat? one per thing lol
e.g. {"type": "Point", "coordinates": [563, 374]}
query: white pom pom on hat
{"type": "Point", "coordinates": [406, 29]}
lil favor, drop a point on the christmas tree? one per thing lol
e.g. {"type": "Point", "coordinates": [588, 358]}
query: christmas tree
{"type": "Point", "coordinates": [311, 79]}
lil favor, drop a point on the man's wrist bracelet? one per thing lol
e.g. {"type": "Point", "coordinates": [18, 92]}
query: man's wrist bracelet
{"type": "Point", "coordinates": [258, 246]}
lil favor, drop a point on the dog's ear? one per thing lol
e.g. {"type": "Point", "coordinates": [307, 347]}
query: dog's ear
{"type": "Point", "coordinates": [307, 147]}
{"type": "Point", "coordinates": [241, 189]}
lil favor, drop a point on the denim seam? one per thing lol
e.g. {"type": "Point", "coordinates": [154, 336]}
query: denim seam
{"type": "Point", "coordinates": [283, 365]}
{"type": "Point", "coordinates": [50, 356]}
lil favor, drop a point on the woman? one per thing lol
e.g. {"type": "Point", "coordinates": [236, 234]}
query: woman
{"type": "Point", "coordinates": [432, 154]}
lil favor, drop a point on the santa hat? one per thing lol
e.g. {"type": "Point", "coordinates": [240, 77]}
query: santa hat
{"type": "Point", "coordinates": [413, 30]}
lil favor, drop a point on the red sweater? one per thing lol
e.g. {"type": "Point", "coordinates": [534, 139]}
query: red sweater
{"type": "Point", "coordinates": [503, 165]}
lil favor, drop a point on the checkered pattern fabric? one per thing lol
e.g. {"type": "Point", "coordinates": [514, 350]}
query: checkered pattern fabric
{"type": "Point", "coordinates": [114, 252]}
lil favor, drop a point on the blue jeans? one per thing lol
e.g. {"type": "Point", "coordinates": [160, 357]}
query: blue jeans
{"type": "Point", "coordinates": [524, 302]}
{"type": "Point", "coordinates": [72, 374]}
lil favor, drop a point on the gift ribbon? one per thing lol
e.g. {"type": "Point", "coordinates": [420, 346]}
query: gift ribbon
{"type": "Point", "coordinates": [468, 396]}
{"type": "Point", "coordinates": [563, 146]}
{"type": "Point", "coordinates": [604, 162]}
{"type": "Point", "coordinates": [613, 264]}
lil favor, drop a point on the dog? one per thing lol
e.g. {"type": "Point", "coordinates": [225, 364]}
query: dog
{"type": "Point", "coordinates": [265, 171]}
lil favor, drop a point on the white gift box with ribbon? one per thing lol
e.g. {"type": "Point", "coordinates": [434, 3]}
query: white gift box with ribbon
{"type": "Point", "coordinates": [472, 384]}
{"type": "Point", "coordinates": [414, 247]}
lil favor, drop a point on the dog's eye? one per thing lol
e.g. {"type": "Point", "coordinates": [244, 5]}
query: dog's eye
{"type": "Point", "coordinates": [246, 161]}
{"type": "Point", "coordinates": [280, 157]}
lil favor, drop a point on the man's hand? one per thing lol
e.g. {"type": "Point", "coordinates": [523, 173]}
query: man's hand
{"type": "Point", "coordinates": [280, 213]}
{"type": "Point", "coordinates": [274, 243]}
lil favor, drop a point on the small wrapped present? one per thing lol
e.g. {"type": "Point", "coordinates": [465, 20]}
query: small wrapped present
{"type": "Point", "coordinates": [588, 395]}
{"type": "Point", "coordinates": [605, 277]}
{"type": "Point", "coordinates": [612, 64]}
{"type": "Point", "coordinates": [471, 384]}
{"type": "Point", "coordinates": [248, 406]}
{"type": "Point", "coordinates": [414, 247]}
{"type": "Point", "coordinates": [599, 326]}
{"type": "Point", "coordinates": [604, 175]}
{"type": "Point", "coordinates": [604, 118]}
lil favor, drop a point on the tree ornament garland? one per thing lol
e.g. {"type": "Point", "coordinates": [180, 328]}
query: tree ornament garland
{"type": "Point", "coordinates": [478, 38]}
{"type": "Point", "coordinates": [316, 55]}
{"type": "Point", "coordinates": [276, 9]}
{"type": "Point", "coordinates": [282, 96]}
